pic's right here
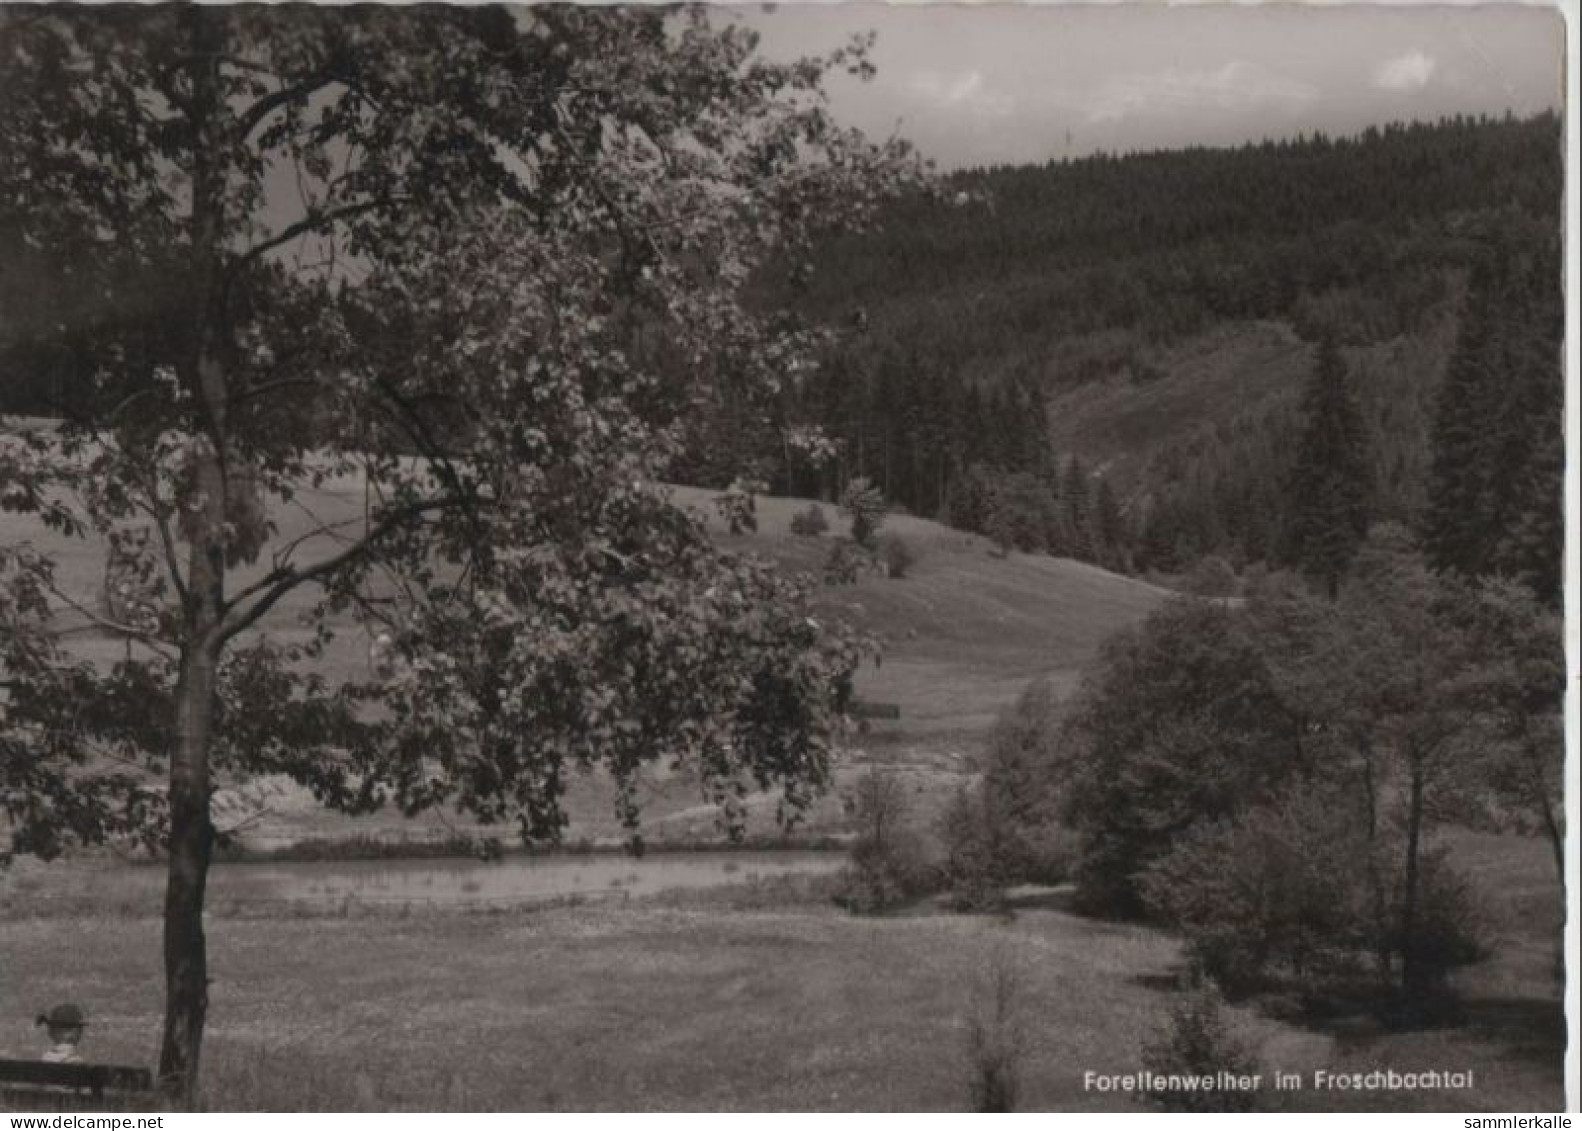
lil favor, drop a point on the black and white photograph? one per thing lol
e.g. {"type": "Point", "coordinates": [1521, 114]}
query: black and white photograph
{"type": "Point", "coordinates": [786, 557]}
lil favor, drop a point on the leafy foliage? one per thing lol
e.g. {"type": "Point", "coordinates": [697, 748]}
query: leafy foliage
{"type": "Point", "coordinates": [899, 556]}
{"type": "Point", "coordinates": [997, 1040]}
{"type": "Point", "coordinates": [1180, 722]}
{"type": "Point", "coordinates": [521, 249]}
{"type": "Point", "coordinates": [845, 562]}
{"type": "Point", "coordinates": [809, 523]}
{"type": "Point", "coordinates": [1277, 894]}
{"type": "Point", "coordinates": [889, 858]}
{"type": "Point", "coordinates": [1198, 1040]}
{"type": "Point", "coordinates": [1005, 829]}
{"type": "Point", "coordinates": [864, 508]}
{"type": "Point", "coordinates": [1517, 684]}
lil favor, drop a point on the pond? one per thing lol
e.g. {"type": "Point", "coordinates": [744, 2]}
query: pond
{"type": "Point", "coordinates": [514, 879]}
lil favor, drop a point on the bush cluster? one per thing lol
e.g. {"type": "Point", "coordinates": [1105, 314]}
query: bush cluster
{"type": "Point", "coordinates": [890, 859]}
{"type": "Point", "coordinates": [899, 556]}
{"type": "Point", "coordinates": [1198, 1040]}
{"type": "Point", "coordinates": [809, 523]}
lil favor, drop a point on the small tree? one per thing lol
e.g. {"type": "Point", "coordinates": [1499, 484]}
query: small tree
{"type": "Point", "coordinates": [1392, 684]}
{"type": "Point", "coordinates": [997, 1038]}
{"type": "Point", "coordinates": [1179, 722]}
{"type": "Point", "coordinates": [1006, 828]}
{"type": "Point", "coordinates": [1518, 683]}
{"type": "Point", "coordinates": [738, 506]}
{"type": "Point", "coordinates": [864, 506]}
{"type": "Point", "coordinates": [968, 499]}
{"type": "Point", "coordinates": [1021, 514]}
{"type": "Point", "coordinates": [888, 858]}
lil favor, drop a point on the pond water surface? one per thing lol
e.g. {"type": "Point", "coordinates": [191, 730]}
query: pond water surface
{"type": "Point", "coordinates": [511, 880]}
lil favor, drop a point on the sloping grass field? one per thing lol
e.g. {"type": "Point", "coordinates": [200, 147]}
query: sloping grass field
{"type": "Point", "coordinates": [962, 634]}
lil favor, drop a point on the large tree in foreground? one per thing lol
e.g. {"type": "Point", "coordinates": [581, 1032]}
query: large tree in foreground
{"type": "Point", "coordinates": [444, 254]}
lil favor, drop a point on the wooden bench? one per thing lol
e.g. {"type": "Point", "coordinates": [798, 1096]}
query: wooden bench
{"type": "Point", "coordinates": [864, 709]}
{"type": "Point", "coordinates": [37, 1085]}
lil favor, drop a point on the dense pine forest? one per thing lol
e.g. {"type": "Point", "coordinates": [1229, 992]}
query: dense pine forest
{"type": "Point", "coordinates": [1109, 358]}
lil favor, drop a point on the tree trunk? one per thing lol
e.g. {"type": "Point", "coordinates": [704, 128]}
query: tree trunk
{"type": "Point", "coordinates": [191, 841]}
{"type": "Point", "coordinates": [1557, 841]}
{"type": "Point", "coordinates": [1376, 884]}
{"type": "Point", "coordinates": [191, 830]}
{"type": "Point", "coordinates": [203, 373]}
{"type": "Point", "coordinates": [1535, 753]}
{"type": "Point", "coordinates": [1415, 977]}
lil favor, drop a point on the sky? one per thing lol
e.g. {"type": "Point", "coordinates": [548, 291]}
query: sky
{"type": "Point", "coordinates": [1013, 83]}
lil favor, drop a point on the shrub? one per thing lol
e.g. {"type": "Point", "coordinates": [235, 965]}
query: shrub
{"type": "Point", "coordinates": [845, 563]}
{"type": "Point", "coordinates": [1021, 514]}
{"type": "Point", "coordinates": [899, 557]}
{"type": "Point", "coordinates": [997, 1041]}
{"type": "Point", "coordinates": [967, 498]}
{"type": "Point", "coordinates": [738, 505]}
{"type": "Point", "coordinates": [974, 873]}
{"type": "Point", "coordinates": [1198, 1040]}
{"type": "Point", "coordinates": [1212, 578]}
{"type": "Point", "coordinates": [1006, 828]}
{"type": "Point", "coordinates": [809, 523]}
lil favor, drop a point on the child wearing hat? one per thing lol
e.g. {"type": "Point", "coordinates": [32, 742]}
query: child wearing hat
{"type": "Point", "coordinates": [65, 1025]}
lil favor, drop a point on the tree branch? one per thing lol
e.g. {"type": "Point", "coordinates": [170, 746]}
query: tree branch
{"type": "Point", "coordinates": [283, 579]}
{"type": "Point", "coordinates": [313, 221]}
{"type": "Point", "coordinates": [264, 387]}
{"type": "Point", "coordinates": [248, 120]}
{"type": "Point", "coordinates": [167, 541]}
{"type": "Point", "coordinates": [148, 639]}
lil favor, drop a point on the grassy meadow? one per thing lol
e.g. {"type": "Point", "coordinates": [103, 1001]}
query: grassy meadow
{"type": "Point", "coordinates": [760, 996]}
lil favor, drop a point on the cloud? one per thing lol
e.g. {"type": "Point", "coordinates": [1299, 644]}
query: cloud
{"type": "Point", "coordinates": [1236, 86]}
{"type": "Point", "coordinates": [1405, 72]}
{"type": "Point", "coordinates": [961, 90]}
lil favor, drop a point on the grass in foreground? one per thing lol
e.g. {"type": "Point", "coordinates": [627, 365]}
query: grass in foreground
{"type": "Point", "coordinates": [739, 998]}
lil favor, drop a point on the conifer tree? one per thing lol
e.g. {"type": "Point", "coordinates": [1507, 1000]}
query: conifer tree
{"type": "Point", "coordinates": [1108, 528]}
{"type": "Point", "coordinates": [1457, 536]}
{"type": "Point", "coordinates": [1077, 506]}
{"type": "Point", "coordinates": [1494, 492]}
{"type": "Point", "coordinates": [1328, 492]}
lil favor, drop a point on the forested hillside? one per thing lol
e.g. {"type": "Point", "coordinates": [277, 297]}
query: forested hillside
{"type": "Point", "coordinates": [1105, 358]}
